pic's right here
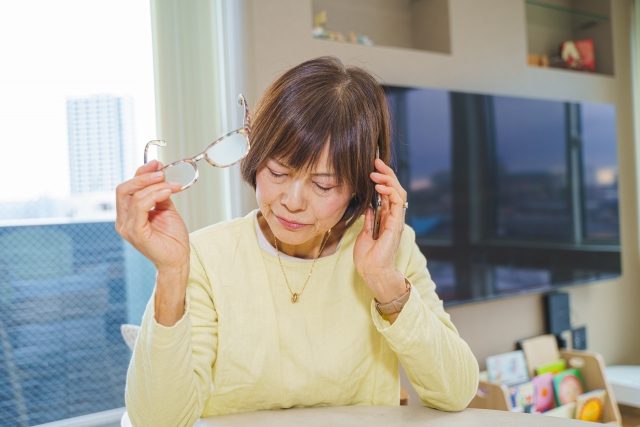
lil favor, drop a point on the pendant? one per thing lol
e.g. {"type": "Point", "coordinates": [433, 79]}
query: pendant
{"type": "Point", "coordinates": [294, 298]}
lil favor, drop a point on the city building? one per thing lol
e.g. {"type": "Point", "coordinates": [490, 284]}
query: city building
{"type": "Point", "coordinates": [100, 132]}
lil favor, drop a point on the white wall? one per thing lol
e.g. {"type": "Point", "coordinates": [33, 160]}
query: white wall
{"type": "Point", "coordinates": [489, 55]}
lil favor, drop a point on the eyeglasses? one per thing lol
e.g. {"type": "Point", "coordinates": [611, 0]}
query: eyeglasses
{"type": "Point", "coordinates": [221, 153]}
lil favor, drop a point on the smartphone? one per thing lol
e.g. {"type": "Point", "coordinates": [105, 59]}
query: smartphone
{"type": "Point", "coordinates": [376, 204]}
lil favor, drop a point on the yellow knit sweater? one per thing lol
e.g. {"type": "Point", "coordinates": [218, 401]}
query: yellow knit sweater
{"type": "Point", "coordinates": [243, 346]}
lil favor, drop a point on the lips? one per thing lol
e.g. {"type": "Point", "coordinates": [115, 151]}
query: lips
{"type": "Point", "coordinates": [291, 225]}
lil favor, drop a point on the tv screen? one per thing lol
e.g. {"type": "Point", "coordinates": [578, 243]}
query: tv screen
{"type": "Point", "coordinates": [507, 195]}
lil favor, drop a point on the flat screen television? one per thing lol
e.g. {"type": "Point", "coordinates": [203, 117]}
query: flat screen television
{"type": "Point", "coordinates": [507, 195]}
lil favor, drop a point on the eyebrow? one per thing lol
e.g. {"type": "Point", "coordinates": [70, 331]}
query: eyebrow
{"type": "Point", "coordinates": [325, 174]}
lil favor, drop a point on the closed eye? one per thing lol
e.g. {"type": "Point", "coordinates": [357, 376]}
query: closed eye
{"type": "Point", "coordinates": [323, 188]}
{"type": "Point", "coordinates": [275, 174]}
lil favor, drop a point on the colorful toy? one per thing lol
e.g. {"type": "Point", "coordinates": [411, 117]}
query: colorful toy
{"type": "Point", "coordinates": [545, 396]}
{"type": "Point", "coordinates": [525, 396]}
{"type": "Point", "coordinates": [553, 367]}
{"type": "Point", "coordinates": [568, 386]}
{"type": "Point", "coordinates": [508, 368]}
{"type": "Point", "coordinates": [590, 406]}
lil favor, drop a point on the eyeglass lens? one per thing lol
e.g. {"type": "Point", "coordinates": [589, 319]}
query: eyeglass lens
{"type": "Point", "coordinates": [184, 173]}
{"type": "Point", "coordinates": [229, 150]}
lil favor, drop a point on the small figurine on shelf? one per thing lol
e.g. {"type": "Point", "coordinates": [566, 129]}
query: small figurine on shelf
{"type": "Point", "coordinates": [319, 19]}
{"type": "Point", "coordinates": [365, 40]}
{"type": "Point", "coordinates": [319, 32]}
{"type": "Point", "coordinates": [538, 60]}
{"type": "Point", "coordinates": [544, 61]}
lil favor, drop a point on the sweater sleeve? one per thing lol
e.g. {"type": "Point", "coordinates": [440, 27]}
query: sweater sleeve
{"type": "Point", "coordinates": [170, 373]}
{"type": "Point", "coordinates": [439, 364]}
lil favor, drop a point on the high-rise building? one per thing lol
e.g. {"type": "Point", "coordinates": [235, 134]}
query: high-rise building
{"type": "Point", "coordinates": [100, 130]}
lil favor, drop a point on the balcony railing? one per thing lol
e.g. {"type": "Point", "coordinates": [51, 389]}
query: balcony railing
{"type": "Point", "coordinates": [65, 289]}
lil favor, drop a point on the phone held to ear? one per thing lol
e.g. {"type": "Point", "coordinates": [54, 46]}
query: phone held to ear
{"type": "Point", "coordinates": [376, 204]}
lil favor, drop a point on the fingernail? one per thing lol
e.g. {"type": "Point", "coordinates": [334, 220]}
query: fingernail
{"type": "Point", "coordinates": [165, 191]}
{"type": "Point", "coordinates": [175, 184]}
{"type": "Point", "coordinates": [157, 175]}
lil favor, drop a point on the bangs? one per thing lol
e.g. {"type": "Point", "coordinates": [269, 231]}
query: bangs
{"type": "Point", "coordinates": [317, 105]}
{"type": "Point", "coordinates": [315, 129]}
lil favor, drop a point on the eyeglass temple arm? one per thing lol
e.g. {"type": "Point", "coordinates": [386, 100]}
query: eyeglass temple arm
{"type": "Point", "coordinates": [158, 142]}
{"type": "Point", "coordinates": [242, 102]}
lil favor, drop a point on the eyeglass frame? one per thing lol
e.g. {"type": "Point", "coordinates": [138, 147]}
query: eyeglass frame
{"type": "Point", "coordinates": [245, 131]}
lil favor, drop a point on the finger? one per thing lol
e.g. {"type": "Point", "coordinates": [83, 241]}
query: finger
{"type": "Point", "coordinates": [140, 182]}
{"type": "Point", "coordinates": [141, 209]}
{"type": "Point", "coordinates": [389, 181]}
{"type": "Point", "coordinates": [147, 167]}
{"type": "Point", "coordinates": [126, 190]}
{"type": "Point", "coordinates": [142, 194]}
{"type": "Point", "coordinates": [168, 204]}
{"type": "Point", "coordinates": [368, 222]}
{"type": "Point", "coordinates": [165, 205]}
{"type": "Point", "coordinates": [384, 198]}
{"type": "Point", "coordinates": [382, 167]}
{"type": "Point", "coordinates": [395, 201]}
{"type": "Point", "coordinates": [122, 191]}
{"type": "Point", "coordinates": [393, 226]}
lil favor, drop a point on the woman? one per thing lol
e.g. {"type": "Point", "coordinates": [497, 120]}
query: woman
{"type": "Point", "coordinates": [280, 308]}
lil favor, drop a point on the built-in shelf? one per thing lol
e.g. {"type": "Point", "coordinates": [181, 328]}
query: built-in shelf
{"type": "Point", "coordinates": [547, 14]}
{"type": "Point", "coordinates": [410, 24]}
{"type": "Point", "coordinates": [553, 22]}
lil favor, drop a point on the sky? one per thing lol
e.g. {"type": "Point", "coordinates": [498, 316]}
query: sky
{"type": "Point", "coordinates": [53, 50]}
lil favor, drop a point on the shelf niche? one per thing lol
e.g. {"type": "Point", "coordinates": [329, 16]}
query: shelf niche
{"type": "Point", "coordinates": [551, 22]}
{"type": "Point", "coordinates": [409, 24]}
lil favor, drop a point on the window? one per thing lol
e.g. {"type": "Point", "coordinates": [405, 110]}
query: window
{"type": "Point", "coordinates": [600, 169]}
{"type": "Point", "coordinates": [532, 194]}
{"type": "Point", "coordinates": [422, 140]}
{"type": "Point", "coordinates": [77, 108]}
{"type": "Point", "coordinates": [507, 195]}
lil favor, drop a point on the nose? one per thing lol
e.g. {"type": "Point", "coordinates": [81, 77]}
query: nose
{"type": "Point", "coordinates": [293, 197]}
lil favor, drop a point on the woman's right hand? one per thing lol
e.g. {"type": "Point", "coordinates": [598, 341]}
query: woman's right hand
{"type": "Point", "coordinates": [148, 220]}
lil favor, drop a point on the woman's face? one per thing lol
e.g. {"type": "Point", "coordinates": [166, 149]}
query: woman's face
{"type": "Point", "coordinates": [300, 205]}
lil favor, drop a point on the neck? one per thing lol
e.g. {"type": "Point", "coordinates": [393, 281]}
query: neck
{"type": "Point", "coordinates": [309, 249]}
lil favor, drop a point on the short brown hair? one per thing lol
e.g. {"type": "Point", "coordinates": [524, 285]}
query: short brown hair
{"type": "Point", "coordinates": [316, 100]}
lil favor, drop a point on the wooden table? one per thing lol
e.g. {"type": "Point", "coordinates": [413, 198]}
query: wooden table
{"type": "Point", "coordinates": [383, 416]}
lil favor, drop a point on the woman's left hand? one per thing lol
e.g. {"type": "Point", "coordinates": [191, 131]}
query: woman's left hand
{"type": "Point", "coordinates": [375, 259]}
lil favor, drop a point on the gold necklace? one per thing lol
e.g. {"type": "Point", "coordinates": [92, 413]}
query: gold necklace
{"type": "Point", "coordinates": [295, 297]}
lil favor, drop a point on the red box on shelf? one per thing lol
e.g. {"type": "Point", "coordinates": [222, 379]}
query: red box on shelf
{"type": "Point", "coordinates": [579, 54]}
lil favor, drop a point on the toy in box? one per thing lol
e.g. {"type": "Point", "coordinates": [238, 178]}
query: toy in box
{"type": "Point", "coordinates": [568, 386]}
{"type": "Point", "coordinates": [544, 394]}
